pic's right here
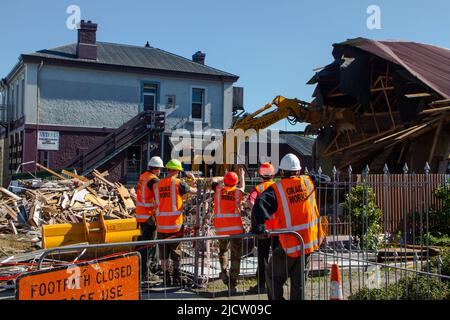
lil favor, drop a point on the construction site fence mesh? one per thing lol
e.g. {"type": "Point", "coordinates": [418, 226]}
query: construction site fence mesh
{"type": "Point", "coordinates": [377, 233]}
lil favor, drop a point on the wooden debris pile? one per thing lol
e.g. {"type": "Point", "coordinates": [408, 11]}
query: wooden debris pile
{"type": "Point", "coordinates": [65, 200]}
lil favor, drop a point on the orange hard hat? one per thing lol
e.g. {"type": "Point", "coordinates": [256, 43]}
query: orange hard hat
{"type": "Point", "coordinates": [267, 170]}
{"type": "Point", "coordinates": [231, 179]}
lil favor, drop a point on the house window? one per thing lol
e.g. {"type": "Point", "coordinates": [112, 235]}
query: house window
{"type": "Point", "coordinates": [22, 102]}
{"type": "Point", "coordinates": [198, 103]}
{"type": "Point", "coordinates": [46, 159]}
{"type": "Point", "coordinates": [150, 94]}
{"type": "Point", "coordinates": [17, 106]}
{"type": "Point", "coordinates": [170, 102]}
{"type": "Point", "coordinates": [12, 103]}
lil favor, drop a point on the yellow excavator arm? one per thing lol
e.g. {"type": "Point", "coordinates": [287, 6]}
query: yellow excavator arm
{"type": "Point", "coordinates": [296, 111]}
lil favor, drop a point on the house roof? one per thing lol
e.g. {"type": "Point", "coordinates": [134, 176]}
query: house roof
{"type": "Point", "coordinates": [301, 144]}
{"type": "Point", "coordinates": [430, 64]}
{"type": "Point", "coordinates": [131, 57]}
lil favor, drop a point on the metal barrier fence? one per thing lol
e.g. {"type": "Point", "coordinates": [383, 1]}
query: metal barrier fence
{"type": "Point", "coordinates": [199, 274]}
{"type": "Point", "coordinates": [375, 263]}
{"type": "Point", "coordinates": [379, 230]}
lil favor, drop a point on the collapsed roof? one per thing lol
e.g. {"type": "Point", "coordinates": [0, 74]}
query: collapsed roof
{"type": "Point", "coordinates": [390, 86]}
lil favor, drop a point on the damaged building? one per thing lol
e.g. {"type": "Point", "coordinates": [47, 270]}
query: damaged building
{"type": "Point", "coordinates": [399, 94]}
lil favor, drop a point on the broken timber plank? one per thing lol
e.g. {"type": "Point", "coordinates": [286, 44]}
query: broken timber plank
{"type": "Point", "coordinates": [50, 171]}
{"type": "Point", "coordinates": [10, 194]}
{"type": "Point", "coordinates": [102, 179]}
{"type": "Point", "coordinates": [75, 176]}
{"type": "Point", "coordinates": [10, 212]}
{"type": "Point", "coordinates": [126, 198]}
{"type": "Point", "coordinates": [96, 200]}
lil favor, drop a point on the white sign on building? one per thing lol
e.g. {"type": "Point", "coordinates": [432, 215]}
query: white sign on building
{"type": "Point", "coordinates": [48, 140]}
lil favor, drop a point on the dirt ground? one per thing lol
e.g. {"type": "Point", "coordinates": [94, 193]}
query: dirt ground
{"type": "Point", "coordinates": [15, 244]}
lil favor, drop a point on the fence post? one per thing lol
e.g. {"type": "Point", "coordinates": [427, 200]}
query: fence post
{"type": "Point", "coordinates": [385, 224]}
{"type": "Point", "coordinates": [197, 229]}
{"type": "Point", "coordinates": [350, 188]}
{"type": "Point", "coordinates": [334, 210]}
{"type": "Point", "coordinates": [427, 186]}
{"type": "Point", "coordinates": [405, 218]}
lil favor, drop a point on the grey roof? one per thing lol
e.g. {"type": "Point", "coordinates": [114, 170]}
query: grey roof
{"type": "Point", "coordinates": [303, 145]}
{"type": "Point", "coordinates": [133, 56]}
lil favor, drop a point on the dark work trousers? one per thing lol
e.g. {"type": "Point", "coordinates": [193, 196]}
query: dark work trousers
{"type": "Point", "coordinates": [264, 246]}
{"type": "Point", "coordinates": [280, 267]}
{"type": "Point", "coordinates": [235, 248]}
{"type": "Point", "coordinates": [148, 254]}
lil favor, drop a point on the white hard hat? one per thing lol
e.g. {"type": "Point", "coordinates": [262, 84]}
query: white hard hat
{"type": "Point", "coordinates": [290, 162]}
{"type": "Point", "coordinates": [156, 162]}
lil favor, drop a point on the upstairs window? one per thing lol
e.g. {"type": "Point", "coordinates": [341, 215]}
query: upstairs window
{"type": "Point", "coordinates": [198, 103]}
{"type": "Point", "coordinates": [150, 94]}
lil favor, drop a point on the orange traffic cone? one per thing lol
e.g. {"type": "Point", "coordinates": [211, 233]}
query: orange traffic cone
{"type": "Point", "coordinates": [335, 286]}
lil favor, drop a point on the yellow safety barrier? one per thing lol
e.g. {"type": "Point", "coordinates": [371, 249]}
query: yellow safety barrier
{"type": "Point", "coordinates": [103, 231]}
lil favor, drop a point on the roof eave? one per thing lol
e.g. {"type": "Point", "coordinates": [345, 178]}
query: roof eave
{"type": "Point", "coordinates": [129, 69]}
{"type": "Point", "coordinates": [14, 70]}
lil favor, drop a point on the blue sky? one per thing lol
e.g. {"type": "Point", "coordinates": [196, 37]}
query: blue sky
{"type": "Point", "coordinates": [272, 45]}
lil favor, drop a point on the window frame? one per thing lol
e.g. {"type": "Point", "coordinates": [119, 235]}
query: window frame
{"type": "Point", "coordinates": [205, 99]}
{"type": "Point", "coordinates": [157, 96]}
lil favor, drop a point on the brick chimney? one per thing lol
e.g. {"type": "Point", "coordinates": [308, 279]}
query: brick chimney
{"type": "Point", "coordinates": [87, 40]}
{"type": "Point", "coordinates": [199, 57]}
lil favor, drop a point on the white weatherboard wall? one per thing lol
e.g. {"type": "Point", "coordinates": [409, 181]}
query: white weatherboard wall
{"type": "Point", "coordinates": [102, 99]}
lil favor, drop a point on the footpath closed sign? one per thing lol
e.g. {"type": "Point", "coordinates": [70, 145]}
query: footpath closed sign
{"type": "Point", "coordinates": [116, 278]}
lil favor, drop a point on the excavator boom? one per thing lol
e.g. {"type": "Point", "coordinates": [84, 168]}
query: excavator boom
{"type": "Point", "coordinates": [296, 111]}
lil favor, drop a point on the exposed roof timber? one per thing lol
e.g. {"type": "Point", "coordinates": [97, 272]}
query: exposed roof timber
{"type": "Point", "coordinates": [417, 95]}
{"type": "Point", "coordinates": [442, 109]}
{"type": "Point", "coordinates": [430, 64]}
{"type": "Point", "coordinates": [340, 94]}
{"type": "Point", "coordinates": [445, 101]}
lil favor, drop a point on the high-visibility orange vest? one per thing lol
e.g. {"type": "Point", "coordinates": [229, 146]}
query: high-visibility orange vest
{"type": "Point", "coordinates": [145, 199]}
{"type": "Point", "coordinates": [227, 212]}
{"type": "Point", "coordinates": [169, 205]}
{"type": "Point", "coordinates": [297, 211]}
{"type": "Point", "coordinates": [260, 189]}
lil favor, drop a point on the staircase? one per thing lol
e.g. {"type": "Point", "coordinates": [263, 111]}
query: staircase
{"type": "Point", "coordinates": [145, 123]}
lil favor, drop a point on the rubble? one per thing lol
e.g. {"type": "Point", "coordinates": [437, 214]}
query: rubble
{"type": "Point", "coordinates": [65, 200]}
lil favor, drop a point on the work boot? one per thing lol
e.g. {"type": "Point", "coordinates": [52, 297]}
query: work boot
{"type": "Point", "coordinates": [153, 277]}
{"type": "Point", "coordinates": [257, 289]}
{"type": "Point", "coordinates": [224, 277]}
{"type": "Point", "coordinates": [232, 289]}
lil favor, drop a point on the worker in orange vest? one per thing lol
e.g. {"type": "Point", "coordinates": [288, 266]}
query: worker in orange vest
{"type": "Point", "coordinates": [292, 202]}
{"type": "Point", "coordinates": [228, 221]}
{"type": "Point", "coordinates": [267, 173]}
{"type": "Point", "coordinates": [145, 216]}
{"type": "Point", "coordinates": [169, 218]}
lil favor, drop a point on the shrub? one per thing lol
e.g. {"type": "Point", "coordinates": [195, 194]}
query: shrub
{"type": "Point", "coordinates": [365, 215]}
{"type": "Point", "coordinates": [440, 219]}
{"type": "Point", "coordinates": [408, 288]}
{"type": "Point", "coordinates": [445, 268]}
{"type": "Point", "coordinates": [436, 240]}
{"type": "Point", "coordinates": [374, 294]}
